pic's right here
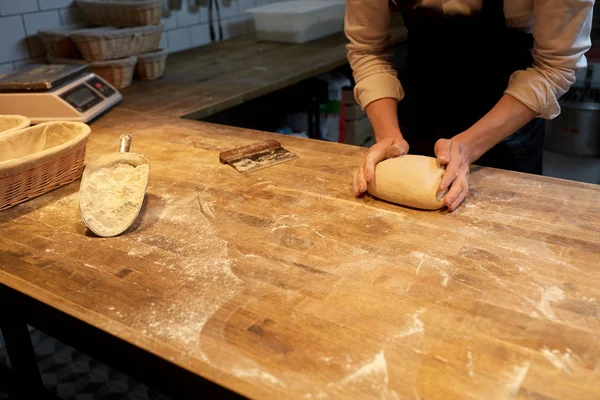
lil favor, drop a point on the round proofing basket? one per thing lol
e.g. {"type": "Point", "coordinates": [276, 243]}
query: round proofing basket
{"type": "Point", "coordinates": [38, 159]}
{"type": "Point", "coordinates": [122, 13]}
{"type": "Point", "coordinates": [118, 73]}
{"type": "Point", "coordinates": [59, 43]}
{"type": "Point", "coordinates": [151, 65]}
{"type": "Point", "coordinates": [11, 123]}
{"type": "Point", "coordinates": [111, 44]}
{"type": "Point", "coordinates": [68, 61]}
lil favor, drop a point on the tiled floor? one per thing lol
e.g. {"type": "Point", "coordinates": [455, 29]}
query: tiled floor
{"type": "Point", "coordinates": [70, 374]}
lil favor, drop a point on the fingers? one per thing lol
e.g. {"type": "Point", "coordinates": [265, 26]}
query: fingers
{"type": "Point", "coordinates": [459, 190]}
{"type": "Point", "coordinates": [453, 165]}
{"type": "Point", "coordinates": [459, 200]}
{"type": "Point", "coordinates": [360, 184]}
{"type": "Point", "coordinates": [382, 151]}
{"type": "Point", "coordinates": [373, 157]}
{"type": "Point", "coordinates": [397, 150]}
{"type": "Point", "coordinates": [377, 153]}
{"type": "Point", "coordinates": [442, 150]}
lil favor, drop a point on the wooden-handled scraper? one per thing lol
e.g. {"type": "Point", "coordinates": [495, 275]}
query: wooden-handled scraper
{"type": "Point", "coordinates": [256, 156]}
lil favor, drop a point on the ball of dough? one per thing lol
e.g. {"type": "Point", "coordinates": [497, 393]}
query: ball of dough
{"type": "Point", "coordinates": [409, 180]}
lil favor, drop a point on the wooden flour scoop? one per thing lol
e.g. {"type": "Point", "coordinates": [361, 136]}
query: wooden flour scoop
{"type": "Point", "coordinates": [111, 199]}
{"type": "Point", "coordinates": [256, 156]}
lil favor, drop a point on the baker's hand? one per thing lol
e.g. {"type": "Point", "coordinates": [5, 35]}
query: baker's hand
{"type": "Point", "coordinates": [382, 150]}
{"type": "Point", "coordinates": [455, 156]}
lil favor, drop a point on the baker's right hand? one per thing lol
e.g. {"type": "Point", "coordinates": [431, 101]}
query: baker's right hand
{"type": "Point", "coordinates": [386, 148]}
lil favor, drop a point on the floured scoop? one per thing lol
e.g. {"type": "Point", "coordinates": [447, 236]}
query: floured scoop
{"type": "Point", "coordinates": [112, 192]}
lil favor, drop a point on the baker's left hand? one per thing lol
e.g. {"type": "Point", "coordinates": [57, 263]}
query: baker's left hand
{"type": "Point", "coordinates": [455, 156]}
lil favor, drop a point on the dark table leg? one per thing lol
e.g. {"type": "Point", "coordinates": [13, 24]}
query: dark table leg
{"type": "Point", "coordinates": [26, 377]}
{"type": "Point", "coordinates": [143, 366]}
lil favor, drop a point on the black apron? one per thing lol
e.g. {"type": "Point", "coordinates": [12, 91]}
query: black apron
{"type": "Point", "coordinates": [457, 70]}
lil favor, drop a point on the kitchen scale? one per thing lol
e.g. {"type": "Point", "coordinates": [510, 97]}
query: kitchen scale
{"type": "Point", "coordinates": [56, 93]}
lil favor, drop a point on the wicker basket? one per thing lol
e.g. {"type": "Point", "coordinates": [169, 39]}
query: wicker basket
{"type": "Point", "coordinates": [151, 65]}
{"type": "Point", "coordinates": [58, 41]}
{"type": "Point", "coordinates": [36, 160]}
{"type": "Point", "coordinates": [11, 123]}
{"type": "Point", "coordinates": [110, 44]}
{"type": "Point", "coordinates": [118, 73]}
{"type": "Point", "coordinates": [122, 13]}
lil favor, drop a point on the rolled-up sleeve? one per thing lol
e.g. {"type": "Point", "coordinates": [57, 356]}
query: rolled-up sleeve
{"type": "Point", "coordinates": [367, 26]}
{"type": "Point", "coordinates": [561, 32]}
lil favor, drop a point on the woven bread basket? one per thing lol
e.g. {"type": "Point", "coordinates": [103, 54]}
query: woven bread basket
{"type": "Point", "coordinates": [58, 41]}
{"type": "Point", "coordinates": [11, 123]}
{"type": "Point", "coordinates": [151, 65]}
{"type": "Point", "coordinates": [36, 160]}
{"type": "Point", "coordinates": [122, 13]}
{"type": "Point", "coordinates": [111, 44]}
{"type": "Point", "coordinates": [68, 61]}
{"type": "Point", "coordinates": [118, 73]}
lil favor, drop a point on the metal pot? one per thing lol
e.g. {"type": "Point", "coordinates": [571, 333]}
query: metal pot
{"type": "Point", "coordinates": [577, 129]}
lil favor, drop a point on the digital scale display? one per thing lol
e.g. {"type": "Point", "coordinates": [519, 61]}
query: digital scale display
{"type": "Point", "coordinates": [82, 98]}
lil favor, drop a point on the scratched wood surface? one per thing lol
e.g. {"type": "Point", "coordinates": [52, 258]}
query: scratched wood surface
{"type": "Point", "coordinates": [280, 284]}
{"type": "Point", "coordinates": [203, 81]}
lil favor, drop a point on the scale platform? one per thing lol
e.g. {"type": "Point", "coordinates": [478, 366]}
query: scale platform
{"type": "Point", "coordinates": [56, 93]}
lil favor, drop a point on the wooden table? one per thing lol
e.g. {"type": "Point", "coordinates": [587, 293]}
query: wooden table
{"type": "Point", "coordinates": [281, 284]}
{"type": "Point", "coordinates": [208, 79]}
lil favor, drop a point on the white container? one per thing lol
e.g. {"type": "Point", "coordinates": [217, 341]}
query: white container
{"type": "Point", "coordinates": [298, 21]}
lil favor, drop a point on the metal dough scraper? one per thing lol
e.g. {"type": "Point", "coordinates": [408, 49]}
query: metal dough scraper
{"type": "Point", "coordinates": [256, 156]}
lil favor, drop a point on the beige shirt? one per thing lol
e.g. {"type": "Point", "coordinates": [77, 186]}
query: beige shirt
{"type": "Point", "coordinates": [561, 31]}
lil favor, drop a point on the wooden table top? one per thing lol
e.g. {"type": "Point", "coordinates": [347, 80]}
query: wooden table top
{"type": "Point", "coordinates": [203, 81]}
{"type": "Point", "coordinates": [281, 284]}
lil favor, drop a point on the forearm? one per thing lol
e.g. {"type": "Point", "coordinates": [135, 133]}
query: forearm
{"type": "Point", "coordinates": [504, 119]}
{"type": "Point", "coordinates": [383, 114]}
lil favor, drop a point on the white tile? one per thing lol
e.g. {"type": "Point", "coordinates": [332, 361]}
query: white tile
{"type": "Point", "coordinates": [164, 43]}
{"type": "Point", "coordinates": [228, 9]}
{"type": "Point", "coordinates": [53, 4]}
{"type": "Point", "coordinates": [10, 7]}
{"type": "Point", "coordinates": [71, 15]}
{"type": "Point", "coordinates": [5, 69]}
{"type": "Point", "coordinates": [237, 27]}
{"type": "Point", "coordinates": [41, 20]}
{"type": "Point", "coordinates": [203, 5]}
{"type": "Point", "coordinates": [245, 5]}
{"type": "Point", "coordinates": [200, 35]}
{"type": "Point", "coordinates": [179, 39]}
{"type": "Point", "coordinates": [188, 15]}
{"type": "Point", "coordinates": [203, 9]}
{"type": "Point", "coordinates": [35, 22]}
{"type": "Point", "coordinates": [171, 21]}
{"type": "Point", "coordinates": [13, 45]}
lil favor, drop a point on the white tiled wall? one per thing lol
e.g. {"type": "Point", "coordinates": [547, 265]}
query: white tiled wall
{"type": "Point", "coordinates": [21, 19]}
